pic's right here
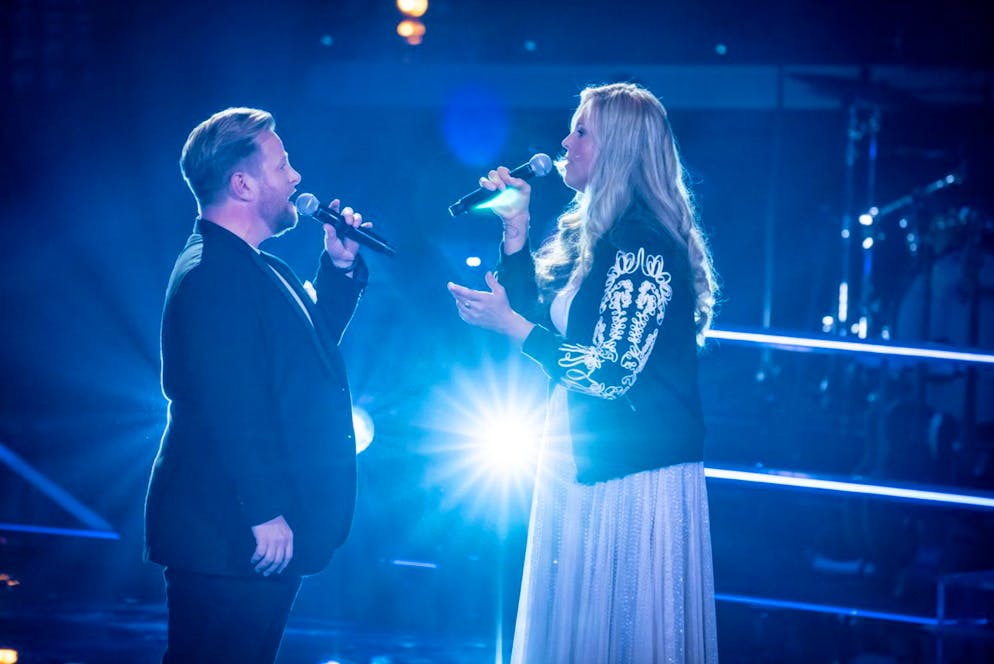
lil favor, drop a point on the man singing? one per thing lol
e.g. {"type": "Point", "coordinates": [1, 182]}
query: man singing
{"type": "Point", "coordinates": [254, 482]}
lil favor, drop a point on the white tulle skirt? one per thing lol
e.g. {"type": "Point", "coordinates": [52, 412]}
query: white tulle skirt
{"type": "Point", "coordinates": [618, 571]}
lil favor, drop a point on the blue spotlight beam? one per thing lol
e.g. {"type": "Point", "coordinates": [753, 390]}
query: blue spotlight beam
{"type": "Point", "coordinates": [65, 532]}
{"type": "Point", "coordinates": [895, 492]}
{"type": "Point", "coordinates": [827, 608]}
{"type": "Point", "coordinates": [57, 494]}
{"type": "Point", "coordinates": [829, 344]}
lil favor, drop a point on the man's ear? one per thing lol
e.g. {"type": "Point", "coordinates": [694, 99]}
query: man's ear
{"type": "Point", "coordinates": [243, 186]}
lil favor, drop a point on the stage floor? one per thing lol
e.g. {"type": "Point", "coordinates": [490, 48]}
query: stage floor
{"type": "Point", "coordinates": [135, 633]}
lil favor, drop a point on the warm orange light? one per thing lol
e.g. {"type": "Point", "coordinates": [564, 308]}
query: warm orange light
{"type": "Point", "coordinates": [412, 31]}
{"type": "Point", "coordinates": [413, 8]}
{"type": "Point", "coordinates": [8, 656]}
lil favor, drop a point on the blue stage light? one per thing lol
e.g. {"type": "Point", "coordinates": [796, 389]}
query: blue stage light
{"type": "Point", "coordinates": [791, 342]}
{"type": "Point", "coordinates": [65, 532]}
{"type": "Point", "coordinates": [97, 525]}
{"type": "Point", "coordinates": [506, 443]}
{"type": "Point", "coordinates": [487, 426]}
{"type": "Point", "coordinates": [852, 612]}
{"type": "Point", "coordinates": [475, 125]}
{"type": "Point", "coordinates": [815, 483]}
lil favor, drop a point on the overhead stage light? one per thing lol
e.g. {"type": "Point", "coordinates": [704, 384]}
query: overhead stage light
{"type": "Point", "coordinates": [413, 31]}
{"type": "Point", "coordinates": [412, 8]}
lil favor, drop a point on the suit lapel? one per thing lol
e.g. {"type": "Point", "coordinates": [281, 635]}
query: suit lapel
{"type": "Point", "coordinates": [268, 263]}
{"type": "Point", "coordinates": [315, 327]}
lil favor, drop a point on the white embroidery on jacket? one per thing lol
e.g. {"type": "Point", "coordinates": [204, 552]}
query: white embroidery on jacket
{"type": "Point", "coordinates": [598, 369]}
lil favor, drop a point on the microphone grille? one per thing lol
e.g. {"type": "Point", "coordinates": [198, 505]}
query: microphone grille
{"type": "Point", "coordinates": [540, 164]}
{"type": "Point", "coordinates": [307, 204]}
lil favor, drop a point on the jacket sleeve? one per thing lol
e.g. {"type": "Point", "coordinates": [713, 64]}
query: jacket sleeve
{"type": "Point", "coordinates": [632, 307]}
{"type": "Point", "coordinates": [516, 273]}
{"type": "Point", "coordinates": [216, 363]}
{"type": "Point", "coordinates": [337, 295]}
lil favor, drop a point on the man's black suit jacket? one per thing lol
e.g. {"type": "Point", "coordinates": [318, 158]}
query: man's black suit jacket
{"type": "Point", "coordinates": [260, 420]}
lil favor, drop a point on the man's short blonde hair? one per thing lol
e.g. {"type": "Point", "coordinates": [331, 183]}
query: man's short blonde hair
{"type": "Point", "coordinates": [218, 146]}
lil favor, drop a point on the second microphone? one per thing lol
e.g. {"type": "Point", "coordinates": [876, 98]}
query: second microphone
{"type": "Point", "coordinates": [538, 166]}
{"type": "Point", "coordinates": [309, 206]}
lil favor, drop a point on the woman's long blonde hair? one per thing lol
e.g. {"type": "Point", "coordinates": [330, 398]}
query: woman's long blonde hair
{"type": "Point", "coordinates": [636, 160]}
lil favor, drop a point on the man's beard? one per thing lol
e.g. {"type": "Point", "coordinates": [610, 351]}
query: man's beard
{"type": "Point", "coordinates": [285, 219]}
{"type": "Point", "coordinates": [280, 215]}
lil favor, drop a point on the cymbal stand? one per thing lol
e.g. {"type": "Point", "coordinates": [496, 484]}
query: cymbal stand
{"type": "Point", "coordinates": [853, 135]}
{"type": "Point", "coordinates": [856, 131]}
{"type": "Point", "coordinates": [867, 239]}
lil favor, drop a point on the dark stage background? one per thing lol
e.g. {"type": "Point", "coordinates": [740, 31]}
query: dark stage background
{"type": "Point", "coordinates": [99, 98]}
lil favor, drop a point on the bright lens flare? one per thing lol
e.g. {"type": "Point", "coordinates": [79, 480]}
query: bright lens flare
{"type": "Point", "coordinates": [508, 444]}
{"type": "Point", "coordinates": [364, 429]}
{"type": "Point", "coordinates": [488, 423]}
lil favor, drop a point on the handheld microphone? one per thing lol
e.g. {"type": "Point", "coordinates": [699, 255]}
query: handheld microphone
{"type": "Point", "coordinates": [538, 165]}
{"type": "Point", "coordinates": [309, 206]}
